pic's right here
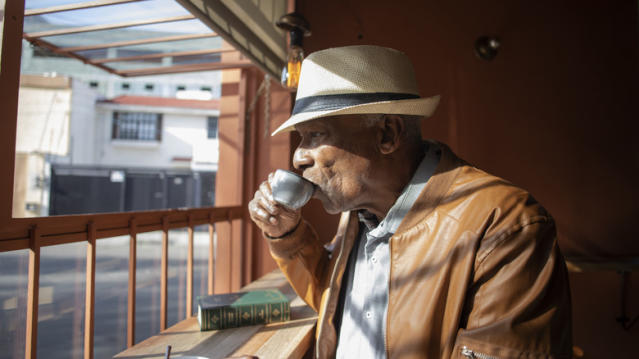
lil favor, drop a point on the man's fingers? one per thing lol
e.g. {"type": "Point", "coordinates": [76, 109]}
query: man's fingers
{"type": "Point", "coordinates": [272, 218]}
{"type": "Point", "coordinates": [265, 217]}
{"type": "Point", "coordinates": [270, 207]}
{"type": "Point", "coordinates": [257, 213]}
{"type": "Point", "coordinates": [270, 178]}
{"type": "Point", "coordinates": [265, 189]}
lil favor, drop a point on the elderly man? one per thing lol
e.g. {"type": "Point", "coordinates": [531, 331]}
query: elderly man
{"type": "Point", "coordinates": [433, 258]}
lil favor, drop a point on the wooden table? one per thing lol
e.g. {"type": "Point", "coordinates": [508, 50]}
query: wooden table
{"type": "Point", "coordinates": [277, 340]}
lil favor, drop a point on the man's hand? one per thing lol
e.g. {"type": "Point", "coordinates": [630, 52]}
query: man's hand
{"type": "Point", "coordinates": [273, 219]}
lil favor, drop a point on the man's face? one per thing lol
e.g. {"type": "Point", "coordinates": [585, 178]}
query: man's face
{"type": "Point", "coordinates": [337, 154]}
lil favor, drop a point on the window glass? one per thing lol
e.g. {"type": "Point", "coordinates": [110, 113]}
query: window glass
{"type": "Point", "coordinates": [140, 32]}
{"type": "Point", "coordinates": [13, 302]}
{"type": "Point", "coordinates": [38, 4]}
{"type": "Point", "coordinates": [200, 263]}
{"type": "Point", "coordinates": [111, 293]}
{"type": "Point", "coordinates": [148, 276]}
{"type": "Point", "coordinates": [150, 9]}
{"type": "Point", "coordinates": [212, 126]}
{"type": "Point", "coordinates": [61, 301]}
{"type": "Point", "coordinates": [178, 248]}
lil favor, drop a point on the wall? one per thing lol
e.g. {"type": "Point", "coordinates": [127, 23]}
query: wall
{"type": "Point", "coordinates": [30, 199]}
{"type": "Point", "coordinates": [554, 113]}
{"type": "Point", "coordinates": [44, 117]}
{"type": "Point", "coordinates": [184, 135]}
{"type": "Point", "coordinates": [83, 149]}
{"type": "Point", "coordinates": [44, 110]}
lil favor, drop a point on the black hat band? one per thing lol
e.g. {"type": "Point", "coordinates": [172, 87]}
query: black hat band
{"type": "Point", "coordinates": [338, 101]}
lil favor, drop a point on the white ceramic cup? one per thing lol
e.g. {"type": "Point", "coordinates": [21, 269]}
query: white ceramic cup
{"type": "Point", "coordinates": [290, 189]}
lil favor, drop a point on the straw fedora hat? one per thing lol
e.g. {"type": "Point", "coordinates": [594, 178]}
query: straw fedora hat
{"type": "Point", "coordinates": [357, 80]}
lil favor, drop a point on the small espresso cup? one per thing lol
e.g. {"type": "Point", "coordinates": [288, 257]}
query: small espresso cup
{"type": "Point", "coordinates": [290, 189]}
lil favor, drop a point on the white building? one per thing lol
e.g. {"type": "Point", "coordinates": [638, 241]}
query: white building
{"type": "Point", "coordinates": [91, 141]}
{"type": "Point", "coordinates": [79, 153]}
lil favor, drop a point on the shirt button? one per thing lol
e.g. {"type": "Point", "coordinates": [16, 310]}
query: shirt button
{"type": "Point", "coordinates": [374, 259]}
{"type": "Point", "coordinates": [369, 315]}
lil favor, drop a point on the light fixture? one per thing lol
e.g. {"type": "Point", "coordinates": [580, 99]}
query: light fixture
{"type": "Point", "coordinates": [297, 27]}
{"type": "Point", "coordinates": [486, 47]}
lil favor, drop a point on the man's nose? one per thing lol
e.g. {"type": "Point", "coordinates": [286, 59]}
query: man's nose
{"type": "Point", "coordinates": [302, 159]}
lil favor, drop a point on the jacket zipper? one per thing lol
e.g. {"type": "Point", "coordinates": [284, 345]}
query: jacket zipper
{"type": "Point", "coordinates": [468, 353]}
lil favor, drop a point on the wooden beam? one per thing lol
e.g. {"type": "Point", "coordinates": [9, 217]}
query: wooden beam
{"type": "Point", "coordinates": [57, 230]}
{"type": "Point", "coordinates": [189, 272]}
{"type": "Point", "coordinates": [211, 269]}
{"type": "Point", "coordinates": [161, 55]}
{"type": "Point", "coordinates": [165, 273]}
{"type": "Point", "coordinates": [211, 66]}
{"type": "Point", "coordinates": [9, 87]}
{"type": "Point", "coordinates": [251, 129]}
{"type": "Point", "coordinates": [33, 291]}
{"type": "Point", "coordinates": [79, 29]}
{"type": "Point", "coordinates": [89, 304]}
{"type": "Point", "coordinates": [136, 42]}
{"type": "Point", "coordinates": [130, 328]}
{"type": "Point", "coordinates": [76, 6]}
{"type": "Point", "coordinates": [53, 48]}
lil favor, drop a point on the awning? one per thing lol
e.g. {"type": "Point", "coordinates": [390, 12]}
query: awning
{"type": "Point", "coordinates": [150, 37]}
{"type": "Point", "coordinates": [249, 26]}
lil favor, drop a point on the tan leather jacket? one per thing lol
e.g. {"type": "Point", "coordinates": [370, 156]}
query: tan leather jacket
{"type": "Point", "coordinates": [475, 270]}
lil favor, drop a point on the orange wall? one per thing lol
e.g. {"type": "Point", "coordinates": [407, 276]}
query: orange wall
{"type": "Point", "coordinates": [554, 112]}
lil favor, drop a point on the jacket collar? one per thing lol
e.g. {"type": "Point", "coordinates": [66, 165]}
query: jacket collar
{"type": "Point", "coordinates": [435, 190]}
{"type": "Point", "coordinates": [431, 196]}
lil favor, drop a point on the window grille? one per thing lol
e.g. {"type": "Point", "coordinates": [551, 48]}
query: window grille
{"type": "Point", "coordinates": [139, 126]}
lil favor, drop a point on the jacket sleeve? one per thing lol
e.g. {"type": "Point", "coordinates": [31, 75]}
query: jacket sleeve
{"type": "Point", "coordinates": [304, 262]}
{"type": "Point", "coordinates": [519, 297]}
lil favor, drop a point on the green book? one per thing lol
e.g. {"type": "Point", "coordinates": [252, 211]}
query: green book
{"type": "Point", "coordinates": [222, 311]}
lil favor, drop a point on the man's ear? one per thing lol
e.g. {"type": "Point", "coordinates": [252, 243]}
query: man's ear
{"type": "Point", "coordinates": [391, 129]}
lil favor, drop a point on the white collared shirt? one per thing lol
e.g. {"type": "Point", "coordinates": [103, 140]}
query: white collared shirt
{"type": "Point", "coordinates": [362, 333]}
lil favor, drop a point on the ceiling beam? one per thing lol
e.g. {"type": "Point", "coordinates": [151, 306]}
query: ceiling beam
{"type": "Point", "coordinates": [136, 42]}
{"type": "Point", "coordinates": [161, 55]}
{"type": "Point", "coordinates": [53, 48]}
{"type": "Point", "coordinates": [76, 6]}
{"type": "Point", "coordinates": [211, 66]}
{"type": "Point", "coordinates": [79, 29]}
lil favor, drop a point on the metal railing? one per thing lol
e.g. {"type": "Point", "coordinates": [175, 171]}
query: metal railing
{"type": "Point", "coordinates": [35, 233]}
